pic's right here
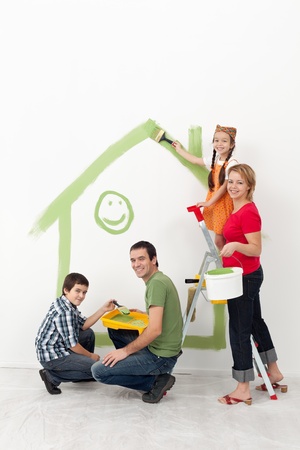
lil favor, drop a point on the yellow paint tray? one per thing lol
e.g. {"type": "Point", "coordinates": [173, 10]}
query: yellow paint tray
{"type": "Point", "coordinates": [133, 321]}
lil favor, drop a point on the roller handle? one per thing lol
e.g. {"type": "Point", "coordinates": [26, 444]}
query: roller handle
{"type": "Point", "coordinates": [191, 280]}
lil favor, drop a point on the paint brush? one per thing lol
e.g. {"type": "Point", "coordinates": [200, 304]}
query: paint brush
{"type": "Point", "coordinates": [159, 135]}
{"type": "Point", "coordinates": [122, 309]}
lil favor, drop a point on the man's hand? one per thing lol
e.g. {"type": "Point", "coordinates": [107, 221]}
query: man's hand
{"type": "Point", "coordinates": [113, 357]}
{"type": "Point", "coordinates": [95, 357]}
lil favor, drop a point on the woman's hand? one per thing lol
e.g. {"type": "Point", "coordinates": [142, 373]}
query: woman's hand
{"type": "Point", "coordinates": [228, 249]}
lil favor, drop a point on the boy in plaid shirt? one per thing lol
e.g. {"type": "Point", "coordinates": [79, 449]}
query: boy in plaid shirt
{"type": "Point", "coordinates": [65, 342]}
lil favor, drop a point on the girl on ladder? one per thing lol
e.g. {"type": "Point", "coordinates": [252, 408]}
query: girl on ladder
{"type": "Point", "coordinates": [218, 204]}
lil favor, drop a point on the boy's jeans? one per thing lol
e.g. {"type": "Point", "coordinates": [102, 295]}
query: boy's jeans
{"type": "Point", "coordinates": [73, 367]}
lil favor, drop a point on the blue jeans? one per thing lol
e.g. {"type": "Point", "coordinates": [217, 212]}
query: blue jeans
{"type": "Point", "coordinates": [245, 320]}
{"type": "Point", "coordinates": [137, 371]}
{"type": "Point", "coordinates": [73, 367]}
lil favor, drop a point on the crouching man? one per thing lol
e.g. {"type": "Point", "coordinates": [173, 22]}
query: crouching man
{"type": "Point", "coordinates": [144, 362]}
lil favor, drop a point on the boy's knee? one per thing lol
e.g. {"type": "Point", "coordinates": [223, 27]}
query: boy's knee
{"type": "Point", "coordinates": [88, 333]}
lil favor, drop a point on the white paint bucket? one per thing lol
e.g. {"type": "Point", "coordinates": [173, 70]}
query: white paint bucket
{"type": "Point", "coordinates": [225, 282]}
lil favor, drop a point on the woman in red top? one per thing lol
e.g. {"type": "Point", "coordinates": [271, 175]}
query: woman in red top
{"type": "Point", "coordinates": [242, 232]}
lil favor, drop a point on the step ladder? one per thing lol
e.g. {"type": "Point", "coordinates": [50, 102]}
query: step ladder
{"type": "Point", "coordinates": [212, 256]}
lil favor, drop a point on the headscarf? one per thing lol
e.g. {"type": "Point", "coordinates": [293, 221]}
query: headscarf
{"type": "Point", "coordinates": [229, 130]}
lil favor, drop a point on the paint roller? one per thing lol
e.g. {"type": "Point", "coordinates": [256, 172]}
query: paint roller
{"type": "Point", "coordinates": [191, 295]}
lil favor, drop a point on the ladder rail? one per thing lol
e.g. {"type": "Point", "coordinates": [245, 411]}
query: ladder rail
{"type": "Point", "coordinates": [187, 317]}
{"type": "Point", "coordinates": [261, 369]}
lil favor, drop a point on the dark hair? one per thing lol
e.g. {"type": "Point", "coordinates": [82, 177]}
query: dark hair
{"type": "Point", "coordinates": [72, 279]}
{"type": "Point", "coordinates": [151, 250]}
{"type": "Point", "coordinates": [211, 183]}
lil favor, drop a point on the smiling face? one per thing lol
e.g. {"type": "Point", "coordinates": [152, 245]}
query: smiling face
{"type": "Point", "coordinates": [141, 263]}
{"type": "Point", "coordinates": [241, 182]}
{"type": "Point", "coordinates": [222, 144]}
{"type": "Point", "coordinates": [237, 187]}
{"type": "Point", "coordinates": [77, 294]}
{"type": "Point", "coordinates": [113, 212]}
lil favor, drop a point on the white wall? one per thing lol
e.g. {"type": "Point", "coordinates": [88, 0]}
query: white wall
{"type": "Point", "coordinates": [76, 77]}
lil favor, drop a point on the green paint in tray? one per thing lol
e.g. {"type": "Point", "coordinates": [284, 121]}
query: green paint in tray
{"type": "Point", "coordinates": [121, 318]}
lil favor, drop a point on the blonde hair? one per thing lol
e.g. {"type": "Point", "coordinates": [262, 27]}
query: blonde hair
{"type": "Point", "coordinates": [248, 175]}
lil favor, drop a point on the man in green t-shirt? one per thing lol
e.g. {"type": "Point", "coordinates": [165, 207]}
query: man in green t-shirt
{"type": "Point", "coordinates": [144, 362]}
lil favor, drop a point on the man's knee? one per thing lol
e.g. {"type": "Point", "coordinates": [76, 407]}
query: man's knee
{"type": "Point", "coordinates": [98, 371]}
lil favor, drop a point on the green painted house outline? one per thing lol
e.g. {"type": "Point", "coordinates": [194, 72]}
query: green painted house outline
{"type": "Point", "coordinates": [61, 210]}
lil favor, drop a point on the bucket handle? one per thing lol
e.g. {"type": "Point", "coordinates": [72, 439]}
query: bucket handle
{"type": "Point", "coordinates": [238, 262]}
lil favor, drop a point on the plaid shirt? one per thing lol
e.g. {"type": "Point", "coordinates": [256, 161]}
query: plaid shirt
{"type": "Point", "coordinates": [59, 330]}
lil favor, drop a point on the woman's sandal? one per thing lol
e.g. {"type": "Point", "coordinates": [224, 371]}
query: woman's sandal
{"type": "Point", "coordinates": [234, 401]}
{"type": "Point", "coordinates": [283, 387]}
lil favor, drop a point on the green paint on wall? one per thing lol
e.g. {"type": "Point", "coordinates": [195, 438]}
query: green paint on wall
{"type": "Point", "coordinates": [61, 210]}
{"type": "Point", "coordinates": [113, 212]}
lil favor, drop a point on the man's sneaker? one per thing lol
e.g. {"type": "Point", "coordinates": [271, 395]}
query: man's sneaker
{"type": "Point", "coordinates": [162, 384]}
{"type": "Point", "coordinates": [51, 388]}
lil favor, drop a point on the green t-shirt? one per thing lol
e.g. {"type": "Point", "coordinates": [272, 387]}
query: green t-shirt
{"type": "Point", "coordinates": [160, 291]}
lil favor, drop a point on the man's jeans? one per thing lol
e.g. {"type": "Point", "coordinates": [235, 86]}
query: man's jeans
{"type": "Point", "coordinates": [245, 320]}
{"type": "Point", "coordinates": [137, 371]}
{"type": "Point", "coordinates": [73, 367]}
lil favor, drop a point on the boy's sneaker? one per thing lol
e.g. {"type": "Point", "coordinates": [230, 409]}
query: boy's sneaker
{"type": "Point", "coordinates": [51, 388]}
{"type": "Point", "coordinates": [162, 384]}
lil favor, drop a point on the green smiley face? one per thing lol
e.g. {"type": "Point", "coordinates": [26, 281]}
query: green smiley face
{"type": "Point", "coordinates": [113, 212]}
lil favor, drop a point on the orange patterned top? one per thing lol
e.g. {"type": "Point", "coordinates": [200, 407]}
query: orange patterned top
{"type": "Point", "coordinates": [216, 215]}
